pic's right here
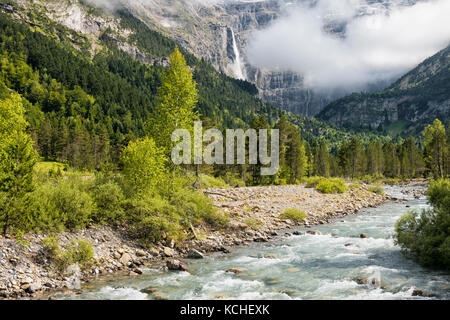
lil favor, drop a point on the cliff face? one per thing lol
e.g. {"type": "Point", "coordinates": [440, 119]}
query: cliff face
{"type": "Point", "coordinates": [216, 32]}
{"type": "Point", "coordinates": [408, 105]}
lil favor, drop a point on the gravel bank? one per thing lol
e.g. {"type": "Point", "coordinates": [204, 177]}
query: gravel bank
{"type": "Point", "coordinates": [25, 273]}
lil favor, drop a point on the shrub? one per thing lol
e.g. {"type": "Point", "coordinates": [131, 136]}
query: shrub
{"type": "Point", "coordinates": [74, 206]}
{"type": "Point", "coordinates": [354, 186]}
{"type": "Point", "coordinates": [312, 182]}
{"type": "Point", "coordinates": [78, 251]}
{"type": "Point", "coordinates": [331, 185]}
{"type": "Point", "coordinates": [63, 204]}
{"type": "Point", "coordinates": [293, 214]}
{"type": "Point", "coordinates": [153, 218]}
{"type": "Point", "coordinates": [108, 198]}
{"type": "Point", "coordinates": [376, 189]}
{"type": "Point", "coordinates": [234, 180]}
{"type": "Point", "coordinates": [207, 181]}
{"type": "Point", "coordinates": [196, 207]}
{"type": "Point", "coordinates": [252, 223]}
{"type": "Point", "coordinates": [143, 165]}
{"type": "Point", "coordinates": [426, 236]}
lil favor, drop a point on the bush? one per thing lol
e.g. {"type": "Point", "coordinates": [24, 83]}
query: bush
{"type": "Point", "coordinates": [354, 186]}
{"type": "Point", "coordinates": [312, 182]}
{"type": "Point", "coordinates": [425, 236]}
{"type": "Point", "coordinates": [293, 214]}
{"type": "Point", "coordinates": [254, 224]}
{"type": "Point", "coordinates": [207, 181]}
{"type": "Point", "coordinates": [108, 198]}
{"type": "Point", "coordinates": [77, 252]}
{"type": "Point", "coordinates": [59, 205]}
{"type": "Point", "coordinates": [331, 185]}
{"type": "Point", "coordinates": [376, 189]}
{"type": "Point", "coordinates": [196, 207]}
{"type": "Point", "coordinates": [74, 206]}
{"type": "Point", "coordinates": [153, 219]}
{"type": "Point", "coordinates": [143, 166]}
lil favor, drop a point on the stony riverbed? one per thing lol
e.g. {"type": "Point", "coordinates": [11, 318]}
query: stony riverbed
{"type": "Point", "coordinates": [24, 272]}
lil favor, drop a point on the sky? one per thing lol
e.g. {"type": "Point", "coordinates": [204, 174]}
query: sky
{"type": "Point", "coordinates": [375, 48]}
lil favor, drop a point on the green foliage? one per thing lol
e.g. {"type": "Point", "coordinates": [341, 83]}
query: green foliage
{"type": "Point", "coordinates": [294, 215]}
{"type": "Point", "coordinates": [61, 204]}
{"type": "Point", "coordinates": [76, 252]}
{"type": "Point", "coordinates": [153, 219]}
{"type": "Point", "coordinates": [376, 189]}
{"type": "Point", "coordinates": [108, 198]}
{"type": "Point", "coordinates": [207, 181]}
{"type": "Point", "coordinates": [332, 185]}
{"type": "Point", "coordinates": [177, 98]}
{"type": "Point", "coordinates": [436, 149]}
{"type": "Point", "coordinates": [143, 165]}
{"type": "Point", "coordinates": [17, 160]}
{"type": "Point", "coordinates": [312, 182]}
{"type": "Point", "coordinates": [253, 224]}
{"type": "Point", "coordinates": [426, 235]}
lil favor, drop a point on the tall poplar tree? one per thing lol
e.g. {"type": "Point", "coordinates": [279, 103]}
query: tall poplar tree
{"type": "Point", "coordinates": [177, 99]}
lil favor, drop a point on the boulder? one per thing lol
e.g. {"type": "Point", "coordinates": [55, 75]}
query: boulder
{"type": "Point", "coordinates": [363, 236]}
{"type": "Point", "coordinates": [149, 290]}
{"type": "Point", "coordinates": [125, 259]}
{"type": "Point", "coordinates": [237, 270]}
{"type": "Point", "coordinates": [177, 265]}
{"type": "Point", "coordinates": [141, 253]}
{"type": "Point", "coordinates": [194, 254]}
{"type": "Point", "coordinates": [154, 252]}
{"type": "Point", "coordinates": [168, 252]}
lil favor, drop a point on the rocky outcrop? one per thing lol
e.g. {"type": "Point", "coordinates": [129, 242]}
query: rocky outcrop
{"type": "Point", "coordinates": [410, 104]}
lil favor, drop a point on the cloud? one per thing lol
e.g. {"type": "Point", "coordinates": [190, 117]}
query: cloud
{"type": "Point", "coordinates": [376, 47]}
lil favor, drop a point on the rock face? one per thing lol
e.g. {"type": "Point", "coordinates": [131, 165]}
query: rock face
{"type": "Point", "coordinates": [217, 31]}
{"type": "Point", "coordinates": [410, 104]}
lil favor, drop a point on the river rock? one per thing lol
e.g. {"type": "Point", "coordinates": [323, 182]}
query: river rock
{"type": "Point", "coordinates": [141, 253]}
{"type": "Point", "coordinates": [154, 252]}
{"type": "Point", "coordinates": [194, 254]}
{"type": "Point", "coordinates": [125, 259]}
{"type": "Point", "coordinates": [168, 252]}
{"type": "Point", "coordinates": [149, 290]}
{"type": "Point", "coordinates": [237, 270]}
{"type": "Point", "coordinates": [177, 265]}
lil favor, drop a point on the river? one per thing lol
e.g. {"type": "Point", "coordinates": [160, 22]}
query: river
{"type": "Point", "coordinates": [329, 265]}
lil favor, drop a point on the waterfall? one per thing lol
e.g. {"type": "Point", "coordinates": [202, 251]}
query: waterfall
{"type": "Point", "coordinates": [236, 67]}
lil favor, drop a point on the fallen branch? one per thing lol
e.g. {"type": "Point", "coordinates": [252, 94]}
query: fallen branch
{"type": "Point", "coordinates": [221, 194]}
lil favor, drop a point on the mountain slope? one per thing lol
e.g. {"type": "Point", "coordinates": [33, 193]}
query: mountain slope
{"type": "Point", "coordinates": [89, 90]}
{"type": "Point", "coordinates": [407, 106]}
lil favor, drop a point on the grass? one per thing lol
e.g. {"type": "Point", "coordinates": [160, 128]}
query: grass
{"type": "Point", "coordinates": [376, 189]}
{"type": "Point", "coordinates": [254, 224]}
{"type": "Point", "coordinates": [293, 214]}
{"type": "Point", "coordinates": [331, 185]}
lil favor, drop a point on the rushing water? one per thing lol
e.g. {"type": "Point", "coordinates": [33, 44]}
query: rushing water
{"type": "Point", "coordinates": [322, 266]}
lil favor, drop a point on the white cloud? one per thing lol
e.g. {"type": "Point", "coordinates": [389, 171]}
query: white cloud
{"type": "Point", "coordinates": [375, 48]}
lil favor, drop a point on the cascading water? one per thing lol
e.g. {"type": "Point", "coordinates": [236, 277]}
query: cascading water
{"type": "Point", "coordinates": [236, 67]}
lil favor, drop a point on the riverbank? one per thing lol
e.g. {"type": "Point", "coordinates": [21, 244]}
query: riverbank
{"type": "Point", "coordinates": [254, 218]}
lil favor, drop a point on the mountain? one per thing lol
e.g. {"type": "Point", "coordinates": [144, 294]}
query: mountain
{"type": "Point", "coordinates": [405, 107]}
{"type": "Point", "coordinates": [88, 80]}
{"type": "Point", "coordinates": [218, 31]}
